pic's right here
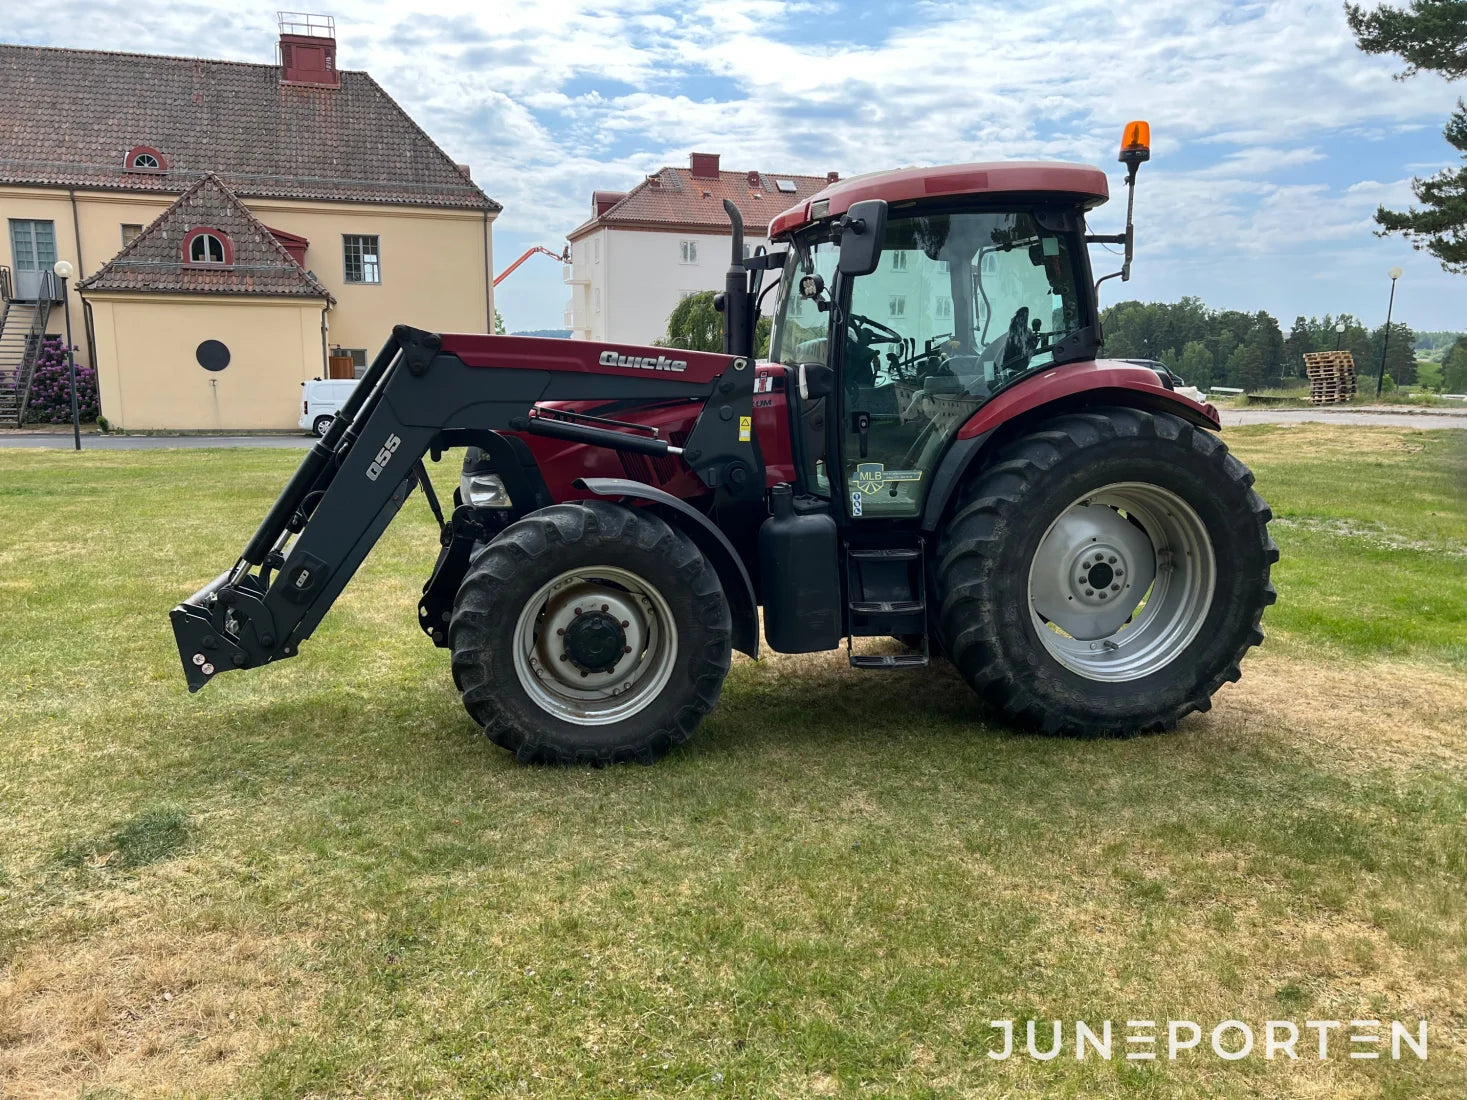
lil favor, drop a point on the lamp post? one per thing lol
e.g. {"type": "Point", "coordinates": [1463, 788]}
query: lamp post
{"type": "Point", "coordinates": [1385, 344]}
{"type": "Point", "coordinates": [63, 270]}
{"type": "Point", "coordinates": [1339, 334]}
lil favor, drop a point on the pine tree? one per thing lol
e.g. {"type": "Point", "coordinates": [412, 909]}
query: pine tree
{"type": "Point", "coordinates": [1454, 368]}
{"type": "Point", "coordinates": [1429, 35]}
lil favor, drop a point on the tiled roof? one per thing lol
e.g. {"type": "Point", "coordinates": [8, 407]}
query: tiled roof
{"type": "Point", "coordinates": [71, 116]}
{"type": "Point", "coordinates": [154, 260]}
{"type": "Point", "coordinates": [675, 198]}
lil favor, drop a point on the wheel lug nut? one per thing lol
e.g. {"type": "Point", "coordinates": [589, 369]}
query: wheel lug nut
{"type": "Point", "coordinates": [1089, 591]}
{"type": "Point", "coordinates": [578, 611]}
{"type": "Point", "coordinates": [560, 630]}
{"type": "Point", "coordinates": [1102, 596]}
{"type": "Point", "coordinates": [606, 607]}
{"type": "Point", "coordinates": [626, 622]}
{"type": "Point", "coordinates": [627, 649]}
{"type": "Point", "coordinates": [1120, 572]}
{"type": "Point", "coordinates": [584, 673]}
{"type": "Point", "coordinates": [1115, 588]}
{"type": "Point", "coordinates": [1112, 559]}
{"type": "Point", "coordinates": [565, 656]}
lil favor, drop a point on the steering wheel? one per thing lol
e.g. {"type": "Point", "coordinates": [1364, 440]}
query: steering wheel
{"type": "Point", "coordinates": [889, 335]}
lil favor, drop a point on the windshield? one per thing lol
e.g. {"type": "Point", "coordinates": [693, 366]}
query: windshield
{"type": "Point", "coordinates": [800, 325]}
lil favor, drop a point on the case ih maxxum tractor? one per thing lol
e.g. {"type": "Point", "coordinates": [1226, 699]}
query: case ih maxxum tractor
{"type": "Point", "coordinates": [933, 453]}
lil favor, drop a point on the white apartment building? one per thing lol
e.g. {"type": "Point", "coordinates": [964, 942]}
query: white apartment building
{"type": "Point", "coordinates": [644, 250]}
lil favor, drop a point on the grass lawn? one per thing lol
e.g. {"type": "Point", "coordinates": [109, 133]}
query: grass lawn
{"type": "Point", "coordinates": [319, 879]}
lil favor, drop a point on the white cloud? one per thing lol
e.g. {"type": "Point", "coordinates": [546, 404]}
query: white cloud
{"type": "Point", "coordinates": [550, 99]}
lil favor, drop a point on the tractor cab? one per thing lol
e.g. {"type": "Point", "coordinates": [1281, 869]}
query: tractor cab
{"type": "Point", "coordinates": [901, 316]}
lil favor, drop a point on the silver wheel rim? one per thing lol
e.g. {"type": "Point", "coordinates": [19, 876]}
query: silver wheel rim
{"type": "Point", "coordinates": [1122, 581]}
{"type": "Point", "coordinates": [595, 696]}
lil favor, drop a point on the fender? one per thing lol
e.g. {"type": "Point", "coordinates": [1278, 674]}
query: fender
{"type": "Point", "coordinates": [709, 539]}
{"type": "Point", "coordinates": [1058, 389]}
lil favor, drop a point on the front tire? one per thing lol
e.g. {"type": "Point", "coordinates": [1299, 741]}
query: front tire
{"type": "Point", "coordinates": [321, 426]}
{"type": "Point", "coordinates": [590, 633]}
{"type": "Point", "coordinates": [1106, 575]}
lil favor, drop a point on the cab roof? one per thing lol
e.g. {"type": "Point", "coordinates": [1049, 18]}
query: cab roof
{"type": "Point", "coordinates": [1082, 182]}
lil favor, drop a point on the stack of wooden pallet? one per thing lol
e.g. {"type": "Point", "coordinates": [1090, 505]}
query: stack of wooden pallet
{"type": "Point", "coordinates": [1331, 376]}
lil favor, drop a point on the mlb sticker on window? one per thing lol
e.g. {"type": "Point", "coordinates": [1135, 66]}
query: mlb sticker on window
{"type": "Point", "coordinates": [746, 426]}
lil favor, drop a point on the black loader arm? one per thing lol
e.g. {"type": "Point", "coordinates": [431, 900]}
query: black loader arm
{"type": "Point", "coordinates": [413, 398]}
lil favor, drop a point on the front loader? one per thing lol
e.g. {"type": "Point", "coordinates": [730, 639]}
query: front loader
{"type": "Point", "coordinates": [932, 453]}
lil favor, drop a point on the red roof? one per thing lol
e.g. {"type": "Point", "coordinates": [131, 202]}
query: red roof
{"type": "Point", "coordinates": [674, 198]}
{"type": "Point", "coordinates": [71, 116]}
{"type": "Point", "coordinates": [154, 260]}
{"type": "Point", "coordinates": [998, 177]}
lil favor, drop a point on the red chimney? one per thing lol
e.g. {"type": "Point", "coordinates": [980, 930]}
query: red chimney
{"type": "Point", "coordinates": [705, 166]}
{"type": "Point", "coordinates": [832, 177]}
{"type": "Point", "coordinates": [308, 49]}
{"type": "Point", "coordinates": [602, 201]}
{"type": "Point", "coordinates": [753, 179]}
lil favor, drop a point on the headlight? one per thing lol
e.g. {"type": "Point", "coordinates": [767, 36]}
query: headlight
{"type": "Point", "coordinates": [483, 491]}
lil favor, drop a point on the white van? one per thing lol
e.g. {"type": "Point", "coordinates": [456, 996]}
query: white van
{"type": "Point", "coordinates": [321, 399]}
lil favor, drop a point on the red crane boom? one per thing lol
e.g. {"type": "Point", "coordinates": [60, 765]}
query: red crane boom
{"type": "Point", "coordinates": [563, 257]}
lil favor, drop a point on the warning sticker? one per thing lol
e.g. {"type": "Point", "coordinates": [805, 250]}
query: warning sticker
{"type": "Point", "coordinates": [746, 425]}
{"type": "Point", "coordinates": [855, 504]}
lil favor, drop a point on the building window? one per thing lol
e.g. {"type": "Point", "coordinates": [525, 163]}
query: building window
{"type": "Point", "coordinates": [358, 357]}
{"type": "Point", "coordinates": [363, 258]}
{"type": "Point", "coordinates": [689, 251]}
{"type": "Point", "coordinates": [144, 158]}
{"type": "Point", "coordinates": [130, 231]}
{"type": "Point", "coordinates": [208, 247]}
{"type": "Point", "coordinates": [899, 261]}
{"type": "Point", "coordinates": [897, 305]}
{"type": "Point", "coordinates": [944, 307]}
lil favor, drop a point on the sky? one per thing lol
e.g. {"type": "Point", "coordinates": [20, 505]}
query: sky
{"type": "Point", "coordinates": [1273, 138]}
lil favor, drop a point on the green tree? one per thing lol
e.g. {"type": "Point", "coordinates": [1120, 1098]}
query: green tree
{"type": "Point", "coordinates": [1301, 340]}
{"type": "Point", "coordinates": [1428, 35]}
{"type": "Point", "coordinates": [499, 329]}
{"type": "Point", "coordinates": [1195, 365]}
{"type": "Point", "coordinates": [1400, 355]}
{"type": "Point", "coordinates": [1454, 368]}
{"type": "Point", "coordinates": [694, 325]}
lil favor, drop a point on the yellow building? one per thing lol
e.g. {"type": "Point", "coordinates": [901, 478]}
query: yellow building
{"type": "Point", "coordinates": [292, 213]}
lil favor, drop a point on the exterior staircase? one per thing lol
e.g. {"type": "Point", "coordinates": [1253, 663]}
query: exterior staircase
{"type": "Point", "coordinates": [22, 331]}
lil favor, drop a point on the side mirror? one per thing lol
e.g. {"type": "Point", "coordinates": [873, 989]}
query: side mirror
{"type": "Point", "coordinates": [816, 380]}
{"type": "Point", "coordinates": [862, 231]}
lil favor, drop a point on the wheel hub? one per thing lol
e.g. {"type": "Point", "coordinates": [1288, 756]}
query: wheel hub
{"type": "Point", "coordinates": [1121, 582]}
{"type": "Point", "coordinates": [595, 642]}
{"type": "Point", "coordinates": [1091, 571]}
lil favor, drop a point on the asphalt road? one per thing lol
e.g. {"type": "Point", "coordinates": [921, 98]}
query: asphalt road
{"type": "Point", "coordinates": [1446, 418]}
{"type": "Point", "coordinates": [1441, 418]}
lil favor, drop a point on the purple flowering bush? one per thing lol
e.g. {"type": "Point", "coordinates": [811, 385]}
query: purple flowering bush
{"type": "Point", "coordinates": [50, 401]}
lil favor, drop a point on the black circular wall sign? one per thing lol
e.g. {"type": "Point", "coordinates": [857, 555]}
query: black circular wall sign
{"type": "Point", "coordinates": [212, 355]}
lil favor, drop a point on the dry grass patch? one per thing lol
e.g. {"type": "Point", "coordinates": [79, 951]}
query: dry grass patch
{"type": "Point", "coordinates": [143, 1008]}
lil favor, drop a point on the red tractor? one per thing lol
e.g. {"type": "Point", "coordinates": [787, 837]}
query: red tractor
{"type": "Point", "coordinates": [933, 453]}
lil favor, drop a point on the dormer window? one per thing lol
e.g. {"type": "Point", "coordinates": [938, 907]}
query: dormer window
{"type": "Point", "coordinates": [207, 248]}
{"type": "Point", "coordinates": [144, 158]}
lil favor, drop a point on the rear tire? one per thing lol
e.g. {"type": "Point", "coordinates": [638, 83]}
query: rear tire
{"type": "Point", "coordinates": [590, 633]}
{"type": "Point", "coordinates": [321, 425]}
{"type": "Point", "coordinates": [1141, 485]}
